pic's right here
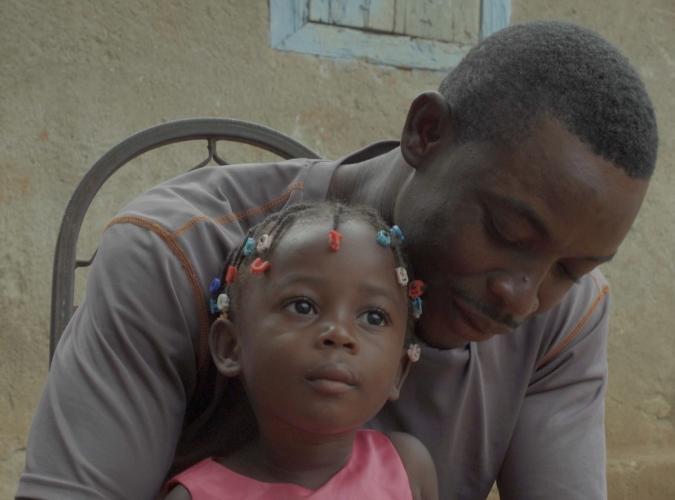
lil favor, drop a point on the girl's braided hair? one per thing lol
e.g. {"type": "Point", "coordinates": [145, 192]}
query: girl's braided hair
{"type": "Point", "coordinates": [277, 225]}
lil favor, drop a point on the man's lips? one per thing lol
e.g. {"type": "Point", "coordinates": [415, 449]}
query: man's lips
{"type": "Point", "coordinates": [478, 321]}
{"type": "Point", "coordinates": [331, 378]}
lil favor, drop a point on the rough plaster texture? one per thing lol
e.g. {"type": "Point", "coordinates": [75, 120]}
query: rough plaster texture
{"type": "Point", "coordinates": [78, 76]}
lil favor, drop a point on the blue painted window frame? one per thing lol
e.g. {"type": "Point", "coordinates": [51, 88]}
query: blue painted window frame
{"type": "Point", "coordinates": [291, 30]}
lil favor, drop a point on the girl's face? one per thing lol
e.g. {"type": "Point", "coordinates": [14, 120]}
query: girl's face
{"type": "Point", "coordinates": [321, 333]}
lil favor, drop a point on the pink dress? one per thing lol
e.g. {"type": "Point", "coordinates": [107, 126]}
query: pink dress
{"type": "Point", "coordinates": [374, 471]}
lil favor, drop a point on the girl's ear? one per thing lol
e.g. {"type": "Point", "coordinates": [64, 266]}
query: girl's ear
{"type": "Point", "coordinates": [404, 369]}
{"type": "Point", "coordinates": [224, 347]}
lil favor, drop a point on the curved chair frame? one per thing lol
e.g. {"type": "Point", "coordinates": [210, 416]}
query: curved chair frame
{"type": "Point", "coordinates": [209, 129]}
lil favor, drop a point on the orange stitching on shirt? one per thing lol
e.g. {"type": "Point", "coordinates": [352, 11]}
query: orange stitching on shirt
{"type": "Point", "coordinates": [171, 242]}
{"type": "Point", "coordinates": [244, 214]}
{"type": "Point", "coordinates": [189, 224]}
{"type": "Point", "coordinates": [228, 218]}
{"type": "Point", "coordinates": [576, 330]}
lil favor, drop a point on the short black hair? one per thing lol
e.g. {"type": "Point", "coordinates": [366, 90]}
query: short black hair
{"type": "Point", "coordinates": [554, 69]}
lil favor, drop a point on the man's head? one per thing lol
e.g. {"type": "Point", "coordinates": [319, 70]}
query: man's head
{"type": "Point", "coordinates": [512, 79]}
{"type": "Point", "coordinates": [529, 167]}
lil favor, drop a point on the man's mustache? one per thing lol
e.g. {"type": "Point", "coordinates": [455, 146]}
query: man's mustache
{"type": "Point", "coordinates": [488, 310]}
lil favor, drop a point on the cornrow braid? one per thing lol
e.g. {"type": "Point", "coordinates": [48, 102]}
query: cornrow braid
{"type": "Point", "coordinates": [336, 216]}
{"type": "Point", "coordinates": [277, 225]}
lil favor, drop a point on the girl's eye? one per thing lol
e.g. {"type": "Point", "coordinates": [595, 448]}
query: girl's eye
{"type": "Point", "coordinates": [301, 306]}
{"type": "Point", "coordinates": [375, 317]}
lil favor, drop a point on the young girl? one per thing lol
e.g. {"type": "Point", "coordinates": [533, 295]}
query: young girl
{"type": "Point", "coordinates": [314, 317]}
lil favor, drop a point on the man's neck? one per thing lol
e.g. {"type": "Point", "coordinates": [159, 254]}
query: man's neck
{"type": "Point", "coordinates": [291, 457]}
{"type": "Point", "coordinates": [374, 182]}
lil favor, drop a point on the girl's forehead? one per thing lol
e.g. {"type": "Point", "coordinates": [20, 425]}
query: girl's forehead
{"type": "Point", "coordinates": [315, 235]}
{"type": "Point", "coordinates": [360, 272]}
{"type": "Point", "coordinates": [308, 246]}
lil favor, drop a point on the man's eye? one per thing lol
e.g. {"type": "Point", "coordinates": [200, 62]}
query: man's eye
{"type": "Point", "coordinates": [375, 317]}
{"type": "Point", "coordinates": [509, 233]}
{"type": "Point", "coordinates": [301, 306]}
{"type": "Point", "coordinates": [496, 230]}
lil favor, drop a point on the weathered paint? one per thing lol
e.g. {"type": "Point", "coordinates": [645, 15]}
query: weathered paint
{"type": "Point", "coordinates": [319, 27]}
{"type": "Point", "coordinates": [495, 15]}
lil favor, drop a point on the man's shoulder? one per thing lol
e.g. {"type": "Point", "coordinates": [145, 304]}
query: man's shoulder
{"type": "Point", "coordinates": [239, 193]}
{"type": "Point", "coordinates": [583, 308]}
{"type": "Point", "coordinates": [218, 193]}
{"type": "Point", "coordinates": [201, 215]}
{"type": "Point", "coordinates": [582, 312]}
{"type": "Point", "coordinates": [591, 288]}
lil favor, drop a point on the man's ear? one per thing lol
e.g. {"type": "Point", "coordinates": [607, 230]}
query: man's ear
{"type": "Point", "coordinates": [402, 374]}
{"type": "Point", "coordinates": [224, 347]}
{"type": "Point", "coordinates": [429, 120]}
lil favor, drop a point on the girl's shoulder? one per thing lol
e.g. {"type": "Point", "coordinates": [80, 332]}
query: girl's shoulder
{"type": "Point", "coordinates": [418, 464]}
{"type": "Point", "coordinates": [178, 492]}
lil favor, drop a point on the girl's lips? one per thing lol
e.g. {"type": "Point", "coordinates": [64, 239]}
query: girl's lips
{"type": "Point", "coordinates": [331, 378]}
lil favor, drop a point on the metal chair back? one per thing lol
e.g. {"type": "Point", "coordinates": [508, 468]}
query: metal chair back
{"type": "Point", "coordinates": [210, 130]}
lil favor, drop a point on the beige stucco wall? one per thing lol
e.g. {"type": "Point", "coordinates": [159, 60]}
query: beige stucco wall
{"type": "Point", "coordinates": [78, 76]}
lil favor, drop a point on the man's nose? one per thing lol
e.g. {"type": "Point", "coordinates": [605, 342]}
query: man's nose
{"type": "Point", "coordinates": [337, 334]}
{"type": "Point", "coordinates": [517, 292]}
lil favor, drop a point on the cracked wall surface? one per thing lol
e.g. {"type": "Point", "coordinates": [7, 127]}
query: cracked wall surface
{"type": "Point", "coordinates": [77, 77]}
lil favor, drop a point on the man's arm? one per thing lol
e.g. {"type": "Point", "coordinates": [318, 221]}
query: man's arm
{"type": "Point", "coordinates": [113, 406]}
{"type": "Point", "coordinates": [558, 447]}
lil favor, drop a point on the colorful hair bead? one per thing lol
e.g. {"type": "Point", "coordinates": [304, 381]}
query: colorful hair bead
{"type": "Point", "coordinates": [383, 238]}
{"type": "Point", "coordinates": [417, 307]}
{"type": "Point", "coordinates": [213, 306]}
{"type": "Point", "coordinates": [230, 275]}
{"type": "Point", "coordinates": [402, 276]}
{"type": "Point", "coordinates": [396, 232]}
{"type": "Point", "coordinates": [223, 302]}
{"type": "Point", "coordinates": [416, 289]}
{"type": "Point", "coordinates": [264, 243]}
{"type": "Point", "coordinates": [414, 352]}
{"type": "Point", "coordinates": [334, 238]}
{"type": "Point", "coordinates": [214, 286]}
{"type": "Point", "coordinates": [259, 266]}
{"type": "Point", "coordinates": [249, 247]}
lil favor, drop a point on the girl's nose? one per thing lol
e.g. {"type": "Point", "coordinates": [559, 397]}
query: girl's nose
{"type": "Point", "coordinates": [337, 335]}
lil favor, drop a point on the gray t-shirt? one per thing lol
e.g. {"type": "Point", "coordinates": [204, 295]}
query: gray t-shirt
{"type": "Point", "coordinates": [132, 394]}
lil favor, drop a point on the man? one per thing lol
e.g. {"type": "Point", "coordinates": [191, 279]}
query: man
{"type": "Point", "coordinates": [511, 184]}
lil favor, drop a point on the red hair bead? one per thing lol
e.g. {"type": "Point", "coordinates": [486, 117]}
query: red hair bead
{"type": "Point", "coordinates": [334, 238]}
{"type": "Point", "coordinates": [416, 289]}
{"type": "Point", "coordinates": [231, 274]}
{"type": "Point", "coordinates": [259, 266]}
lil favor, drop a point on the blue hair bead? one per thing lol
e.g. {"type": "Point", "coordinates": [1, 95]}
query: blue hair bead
{"type": "Point", "coordinates": [249, 247]}
{"type": "Point", "coordinates": [214, 286]}
{"type": "Point", "coordinates": [383, 238]}
{"type": "Point", "coordinates": [396, 231]}
{"type": "Point", "coordinates": [417, 307]}
{"type": "Point", "coordinates": [213, 306]}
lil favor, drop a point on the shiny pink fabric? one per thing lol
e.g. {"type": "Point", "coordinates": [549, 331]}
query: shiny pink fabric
{"type": "Point", "coordinates": [374, 472]}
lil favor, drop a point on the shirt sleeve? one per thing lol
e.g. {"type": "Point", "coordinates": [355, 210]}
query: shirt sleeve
{"type": "Point", "coordinates": [113, 405]}
{"type": "Point", "coordinates": [558, 446]}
